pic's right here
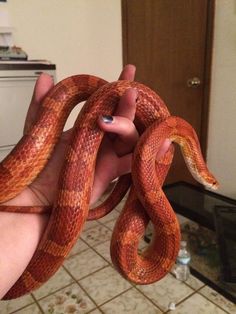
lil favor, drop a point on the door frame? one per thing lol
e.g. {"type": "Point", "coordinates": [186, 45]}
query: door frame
{"type": "Point", "coordinates": [207, 64]}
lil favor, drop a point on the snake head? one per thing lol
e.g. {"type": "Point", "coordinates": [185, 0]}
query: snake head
{"type": "Point", "coordinates": [209, 181]}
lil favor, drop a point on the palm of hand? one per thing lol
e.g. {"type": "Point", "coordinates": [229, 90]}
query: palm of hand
{"type": "Point", "coordinates": [114, 156]}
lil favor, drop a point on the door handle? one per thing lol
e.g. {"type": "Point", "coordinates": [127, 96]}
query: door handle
{"type": "Point", "coordinates": [193, 82]}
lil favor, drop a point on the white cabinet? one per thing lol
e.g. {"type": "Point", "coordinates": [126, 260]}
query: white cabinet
{"type": "Point", "coordinates": [16, 88]}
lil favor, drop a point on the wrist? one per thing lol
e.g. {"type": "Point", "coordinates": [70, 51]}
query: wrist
{"type": "Point", "coordinates": [30, 196]}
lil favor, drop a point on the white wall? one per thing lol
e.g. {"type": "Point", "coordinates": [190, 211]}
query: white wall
{"type": "Point", "coordinates": [79, 36]}
{"type": "Point", "coordinates": [222, 125]}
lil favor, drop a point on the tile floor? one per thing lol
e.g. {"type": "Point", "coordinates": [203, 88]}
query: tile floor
{"type": "Point", "coordinates": [87, 283]}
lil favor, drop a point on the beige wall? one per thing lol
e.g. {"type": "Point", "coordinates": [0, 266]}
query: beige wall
{"type": "Point", "coordinates": [222, 124]}
{"type": "Point", "coordinates": [84, 36]}
{"type": "Point", "coordinates": [80, 36]}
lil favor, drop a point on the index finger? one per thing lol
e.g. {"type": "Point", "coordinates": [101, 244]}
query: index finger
{"type": "Point", "coordinates": [43, 84]}
{"type": "Point", "coordinates": [127, 105]}
{"type": "Point", "coordinates": [128, 72]}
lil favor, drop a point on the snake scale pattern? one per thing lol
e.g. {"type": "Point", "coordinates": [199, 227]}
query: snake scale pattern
{"type": "Point", "coordinates": [146, 200]}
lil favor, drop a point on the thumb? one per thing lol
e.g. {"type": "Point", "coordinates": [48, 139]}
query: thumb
{"type": "Point", "coordinates": [43, 84]}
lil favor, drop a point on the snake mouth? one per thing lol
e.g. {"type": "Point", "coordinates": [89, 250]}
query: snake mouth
{"type": "Point", "coordinates": [213, 185]}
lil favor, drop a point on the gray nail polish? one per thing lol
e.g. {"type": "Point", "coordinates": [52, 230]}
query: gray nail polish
{"type": "Point", "coordinates": [107, 119]}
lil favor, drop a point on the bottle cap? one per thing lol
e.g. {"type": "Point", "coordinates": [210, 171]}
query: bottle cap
{"type": "Point", "coordinates": [183, 243]}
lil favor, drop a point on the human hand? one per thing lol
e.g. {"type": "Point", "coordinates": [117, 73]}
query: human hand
{"type": "Point", "coordinates": [114, 159]}
{"type": "Point", "coordinates": [114, 156]}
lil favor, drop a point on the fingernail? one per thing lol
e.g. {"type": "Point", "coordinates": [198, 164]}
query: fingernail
{"type": "Point", "coordinates": [136, 92]}
{"type": "Point", "coordinates": [107, 119]}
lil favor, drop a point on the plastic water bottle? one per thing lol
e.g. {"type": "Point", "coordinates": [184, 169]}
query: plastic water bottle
{"type": "Point", "coordinates": [181, 270]}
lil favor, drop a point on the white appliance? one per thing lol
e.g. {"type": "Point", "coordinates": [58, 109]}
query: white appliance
{"type": "Point", "coordinates": [17, 82]}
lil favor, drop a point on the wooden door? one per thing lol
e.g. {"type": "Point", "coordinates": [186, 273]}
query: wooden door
{"type": "Point", "coordinates": [170, 43]}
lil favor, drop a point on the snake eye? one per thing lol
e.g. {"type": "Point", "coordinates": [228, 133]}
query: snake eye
{"type": "Point", "coordinates": [214, 185]}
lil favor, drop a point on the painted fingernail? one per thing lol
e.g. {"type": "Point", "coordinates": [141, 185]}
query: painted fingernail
{"type": "Point", "coordinates": [107, 119]}
{"type": "Point", "coordinates": [136, 92]}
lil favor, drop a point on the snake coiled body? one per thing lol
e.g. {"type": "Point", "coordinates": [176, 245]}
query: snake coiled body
{"type": "Point", "coordinates": [146, 199]}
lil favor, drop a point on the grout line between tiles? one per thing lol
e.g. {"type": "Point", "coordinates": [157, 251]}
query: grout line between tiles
{"type": "Point", "coordinates": [87, 227]}
{"type": "Point", "coordinates": [29, 304]}
{"type": "Point", "coordinates": [149, 299]}
{"type": "Point", "coordinates": [187, 284]}
{"type": "Point", "coordinates": [213, 301]}
{"type": "Point", "coordinates": [24, 307]}
{"type": "Point", "coordinates": [36, 301]}
{"type": "Point", "coordinates": [54, 291]}
{"type": "Point", "coordinates": [97, 308]}
{"type": "Point", "coordinates": [183, 300]}
{"type": "Point", "coordinates": [195, 290]}
{"type": "Point", "coordinates": [199, 291]}
{"type": "Point", "coordinates": [110, 264]}
{"type": "Point", "coordinates": [132, 284]}
{"type": "Point", "coordinates": [92, 247]}
{"type": "Point", "coordinates": [92, 273]}
{"type": "Point", "coordinates": [190, 295]}
{"type": "Point", "coordinates": [103, 224]}
{"type": "Point", "coordinates": [97, 243]}
{"type": "Point", "coordinates": [71, 256]}
{"type": "Point", "coordinates": [100, 305]}
{"type": "Point", "coordinates": [82, 288]}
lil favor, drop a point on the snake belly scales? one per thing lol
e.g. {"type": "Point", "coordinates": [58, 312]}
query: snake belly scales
{"type": "Point", "coordinates": [146, 200]}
